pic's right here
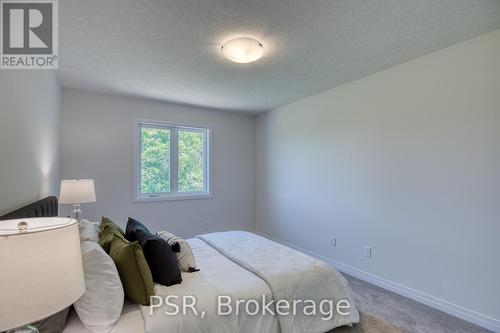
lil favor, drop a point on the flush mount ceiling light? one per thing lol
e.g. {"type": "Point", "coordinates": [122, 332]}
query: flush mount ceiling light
{"type": "Point", "coordinates": [242, 50]}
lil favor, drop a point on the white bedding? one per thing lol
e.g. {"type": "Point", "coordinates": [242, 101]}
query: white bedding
{"type": "Point", "coordinates": [291, 275]}
{"type": "Point", "coordinates": [130, 321]}
{"type": "Point", "coordinates": [218, 275]}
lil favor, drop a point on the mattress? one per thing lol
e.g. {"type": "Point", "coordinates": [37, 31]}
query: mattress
{"type": "Point", "coordinates": [216, 273]}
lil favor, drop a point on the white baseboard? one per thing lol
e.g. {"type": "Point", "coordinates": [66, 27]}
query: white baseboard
{"type": "Point", "coordinates": [421, 297]}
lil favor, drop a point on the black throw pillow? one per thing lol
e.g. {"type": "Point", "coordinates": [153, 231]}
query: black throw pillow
{"type": "Point", "coordinates": [135, 229]}
{"type": "Point", "coordinates": [160, 256]}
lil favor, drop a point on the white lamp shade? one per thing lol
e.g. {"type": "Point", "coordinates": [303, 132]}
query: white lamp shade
{"type": "Point", "coordinates": [77, 191]}
{"type": "Point", "coordinates": [41, 269]}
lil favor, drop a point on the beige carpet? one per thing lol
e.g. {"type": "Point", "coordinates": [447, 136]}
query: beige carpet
{"type": "Point", "coordinates": [382, 311]}
{"type": "Point", "coordinates": [371, 324]}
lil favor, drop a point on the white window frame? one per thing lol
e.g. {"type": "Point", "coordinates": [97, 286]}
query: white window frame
{"type": "Point", "coordinates": [174, 194]}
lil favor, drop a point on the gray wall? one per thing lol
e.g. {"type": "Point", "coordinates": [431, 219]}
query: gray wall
{"type": "Point", "coordinates": [29, 136]}
{"type": "Point", "coordinates": [97, 142]}
{"type": "Point", "coordinates": [406, 161]}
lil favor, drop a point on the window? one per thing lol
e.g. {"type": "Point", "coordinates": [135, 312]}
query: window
{"type": "Point", "coordinates": [171, 161]}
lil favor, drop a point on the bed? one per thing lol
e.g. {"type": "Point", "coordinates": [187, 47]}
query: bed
{"type": "Point", "coordinates": [231, 265]}
{"type": "Point", "coordinates": [235, 281]}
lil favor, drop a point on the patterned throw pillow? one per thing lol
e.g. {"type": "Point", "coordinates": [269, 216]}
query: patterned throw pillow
{"type": "Point", "coordinates": [185, 257]}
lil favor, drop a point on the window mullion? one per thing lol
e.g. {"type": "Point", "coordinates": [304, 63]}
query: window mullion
{"type": "Point", "coordinates": [174, 160]}
{"type": "Point", "coordinates": [205, 161]}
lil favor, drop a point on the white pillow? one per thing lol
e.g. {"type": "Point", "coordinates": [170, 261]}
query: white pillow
{"type": "Point", "coordinates": [89, 231]}
{"type": "Point", "coordinates": [185, 257]}
{"type": "Point", "coordinates": [101, 305]}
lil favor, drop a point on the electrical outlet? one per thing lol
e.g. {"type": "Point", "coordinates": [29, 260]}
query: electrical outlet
{"type": "Point", "coordinates": [206, 225]}
{"type": "Point", "coordinates": [333, 241]}
{"type": "Point", "coordinates": [368, 252]}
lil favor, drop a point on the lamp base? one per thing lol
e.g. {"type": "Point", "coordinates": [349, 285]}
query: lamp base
{"type": "Point", "coordinates": [77, 212]}
{"type": "Point", "coordinates": [24, 329]}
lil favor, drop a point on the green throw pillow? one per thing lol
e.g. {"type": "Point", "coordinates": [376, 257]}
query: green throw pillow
{"type": "Point", "coordinates": [107, 229]}
{"type": "Point", "coordinates": [107, 223]}
{"type": "Point", "coordinates": [133, 268]}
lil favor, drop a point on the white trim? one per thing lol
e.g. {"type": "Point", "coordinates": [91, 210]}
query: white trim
{"type": "Point", "coordinates": [174, 161]}
{"type": "Point", "coordinates": [173, 197]}
{"type": "Point", "coordinates": [174, 194]}
{"type": "Point", "coordinates": [455, 310]}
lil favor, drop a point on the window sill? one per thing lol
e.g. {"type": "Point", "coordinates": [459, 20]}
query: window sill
{"type": "Point", "coordinates": [172, 197]}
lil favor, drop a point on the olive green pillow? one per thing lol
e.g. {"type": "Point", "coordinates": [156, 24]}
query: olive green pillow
{"type": "Point", "coordinates": [106, 222]}
{"type": "Point", "coordinates": [107, 229]}
{"type": "Point", "coordinates": [133, 268]}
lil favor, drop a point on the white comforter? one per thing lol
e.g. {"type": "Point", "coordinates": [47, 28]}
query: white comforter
{"type": "Point", "coordinates": [291, 275]}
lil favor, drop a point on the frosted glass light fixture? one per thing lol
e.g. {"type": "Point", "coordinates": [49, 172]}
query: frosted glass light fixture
{"type": "Point", "coordinates": [242, 50]}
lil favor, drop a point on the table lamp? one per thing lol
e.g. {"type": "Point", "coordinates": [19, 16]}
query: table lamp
{"type": "Point", "coordinates": [76, 192]}
{"type": "Point", "coordinates": [42, 270]}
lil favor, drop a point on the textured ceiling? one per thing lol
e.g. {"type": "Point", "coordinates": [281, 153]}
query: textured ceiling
{"type": "Point", "coordinates": [169, 50]}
